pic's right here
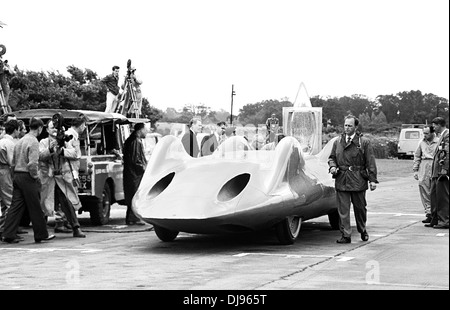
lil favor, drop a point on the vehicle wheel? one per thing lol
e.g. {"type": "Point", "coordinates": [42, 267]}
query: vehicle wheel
{"type": "Point", "coordinates": [333, 218]}
{"type": "Point", "coordinates": [289, 229]}
{"type": "Point", "coordinates": [165, 235]}
{"type": "Point", "coordinates": [101, 210]}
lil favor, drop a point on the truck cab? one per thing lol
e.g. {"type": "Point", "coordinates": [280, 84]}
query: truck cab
{"type": "Point", "coordinates": [101, 165]}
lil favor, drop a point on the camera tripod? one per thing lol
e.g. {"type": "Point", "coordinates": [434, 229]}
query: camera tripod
{"type": "Point", "coordinates": [128, 103]}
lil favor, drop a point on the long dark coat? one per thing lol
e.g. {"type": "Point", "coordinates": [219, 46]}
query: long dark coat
{"type": "Point", "coordinates": [358, 155]}
{"type": "Point", "coordinates": [190, 143]}
{"type": "Point", "coordinates": [209, 145]}
{"type": "Point", "coordinates": [134, 164]}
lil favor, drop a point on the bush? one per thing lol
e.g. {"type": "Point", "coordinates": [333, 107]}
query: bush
{"type": "Point", "coordinates": [383, 147]}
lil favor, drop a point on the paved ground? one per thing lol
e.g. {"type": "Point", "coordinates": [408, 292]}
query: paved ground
{"type": "Point", "coordinates": [401, 254]}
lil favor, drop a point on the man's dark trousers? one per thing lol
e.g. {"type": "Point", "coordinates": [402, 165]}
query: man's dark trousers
{"type": "Point", "coordinates": [358, 199]}
{"type": "Point", "coordinates": [26, 194]}
{"type": "Point", "coordinates": [66, 207]}
{"type": "Point", "coordinates": [439, 201]}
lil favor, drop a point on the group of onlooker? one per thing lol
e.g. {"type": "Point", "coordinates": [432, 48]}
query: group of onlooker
{"type": "Point", "coordinates": [39, 178]}
{"type": "Point", "coordinates": [431, 169]}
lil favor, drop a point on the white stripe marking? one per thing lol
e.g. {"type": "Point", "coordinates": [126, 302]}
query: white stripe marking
{"type": "Point", "coordinates": [50, 250]}
{"type": "Point", "coordinates": [396, 214]}
{"type": "Point", "coordinates": [283, 255]}
{"type": "Point", "coordinates": [345, 259]}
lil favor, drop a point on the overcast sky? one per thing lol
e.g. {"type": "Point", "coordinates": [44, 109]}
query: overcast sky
{"type": "Point", "coordinates": [192, 51]}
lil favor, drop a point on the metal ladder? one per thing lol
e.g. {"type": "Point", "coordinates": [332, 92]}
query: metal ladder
{"type": "Point", "coordinates": [5, 108]}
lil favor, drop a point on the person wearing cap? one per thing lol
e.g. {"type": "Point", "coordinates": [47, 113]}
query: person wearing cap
{"type": "Point", "coordinates": [111, 82]}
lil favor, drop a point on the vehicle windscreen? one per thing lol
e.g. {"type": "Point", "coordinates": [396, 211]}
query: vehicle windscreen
{"type": "Point", "coordinates": [412, 134]}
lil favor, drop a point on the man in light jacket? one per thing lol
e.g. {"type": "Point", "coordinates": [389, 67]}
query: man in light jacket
{"type": "Point", "coordinates": [59, 195]}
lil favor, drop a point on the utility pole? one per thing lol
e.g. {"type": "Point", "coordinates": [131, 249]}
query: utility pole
{"type": "Point", "coordinates": [233, 93]}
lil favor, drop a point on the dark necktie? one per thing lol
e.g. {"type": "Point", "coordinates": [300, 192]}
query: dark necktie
{"type": "Point", "coordinates": [349, 140]}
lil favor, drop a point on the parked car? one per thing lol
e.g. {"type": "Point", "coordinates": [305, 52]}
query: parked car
{"type": "Point", "coordinates": [409, 138]}
{"type": "Point", "coordinates": [101, 166]}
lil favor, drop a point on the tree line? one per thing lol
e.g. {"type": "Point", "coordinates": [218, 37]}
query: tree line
{"type": "Point", "coordinates": [83, 89]}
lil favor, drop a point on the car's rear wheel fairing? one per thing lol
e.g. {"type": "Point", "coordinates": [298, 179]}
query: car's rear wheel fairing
{"type": "Point", "coordinates": [233, 187]}
{"type": "Point", "coordinates": [161, 185]}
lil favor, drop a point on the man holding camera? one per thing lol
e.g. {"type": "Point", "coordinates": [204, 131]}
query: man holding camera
{"type": "Point", "coordinates": [59, 194]}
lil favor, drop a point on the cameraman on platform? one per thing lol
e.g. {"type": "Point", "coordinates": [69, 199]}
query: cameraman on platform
{"type": "Point", "coordinates": [59, 156]}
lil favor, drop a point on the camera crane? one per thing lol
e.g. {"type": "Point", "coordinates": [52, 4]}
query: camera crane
{"type": "Point", "coordinates": [128, 102]}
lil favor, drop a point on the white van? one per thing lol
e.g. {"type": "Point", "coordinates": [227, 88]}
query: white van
{"type": "Point", "coordinates": [409, 139]}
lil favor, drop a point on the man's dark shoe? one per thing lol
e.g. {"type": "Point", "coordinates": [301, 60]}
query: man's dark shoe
{"type": "Point", "coordinates": [427, 220]}
{"type": "Point", "coordinates": [50, 237]}
{"type": "Point", "coordinates": [8, 240]}
{"type": "Point", "coordinates": [77, 233]}
{"type": "Point", "coordinates": [440, 227]}
{"type": "Point", "coordinates": [365, 236]}
{"type": "Point", "coordinates": [344, 240]}
{"type": "Point", "coordinates": [430, 225]}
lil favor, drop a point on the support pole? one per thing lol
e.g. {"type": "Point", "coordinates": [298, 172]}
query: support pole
{"type": "Point", "coordinates": [232, 96]}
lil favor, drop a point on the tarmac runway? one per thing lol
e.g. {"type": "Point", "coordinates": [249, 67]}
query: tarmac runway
{"type": "Point", "coordinates": [401, 254]}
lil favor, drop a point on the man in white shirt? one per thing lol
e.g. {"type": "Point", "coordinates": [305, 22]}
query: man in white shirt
{"type": "Point", "coordinates": [423, 163]}
{"type": "Point", "coordinates": [6, 165]}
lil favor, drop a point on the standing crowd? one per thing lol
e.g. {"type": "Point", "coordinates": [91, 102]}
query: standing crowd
{"type": "Point", "coordinates": [39, 178]}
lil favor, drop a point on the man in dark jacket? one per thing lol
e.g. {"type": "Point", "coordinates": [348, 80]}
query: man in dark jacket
{"type": "Point", "coordinates": [440, 178]}
{"type": "Point", "coordinates": [189, 139]}
{"type": "Point", "coordinates": [211, 143]}
{"type": "Point", "coordinates": [133, 169]}
{"type": "Point", "coordinates": [111, 82]}
{"type": "Point", "coordinates": [352, 164]}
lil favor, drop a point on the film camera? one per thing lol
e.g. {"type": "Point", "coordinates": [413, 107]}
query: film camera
{"type": "Point", "coordinates": [61, 136]}
{"type": "Point", "coordinates": [130, 69]}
